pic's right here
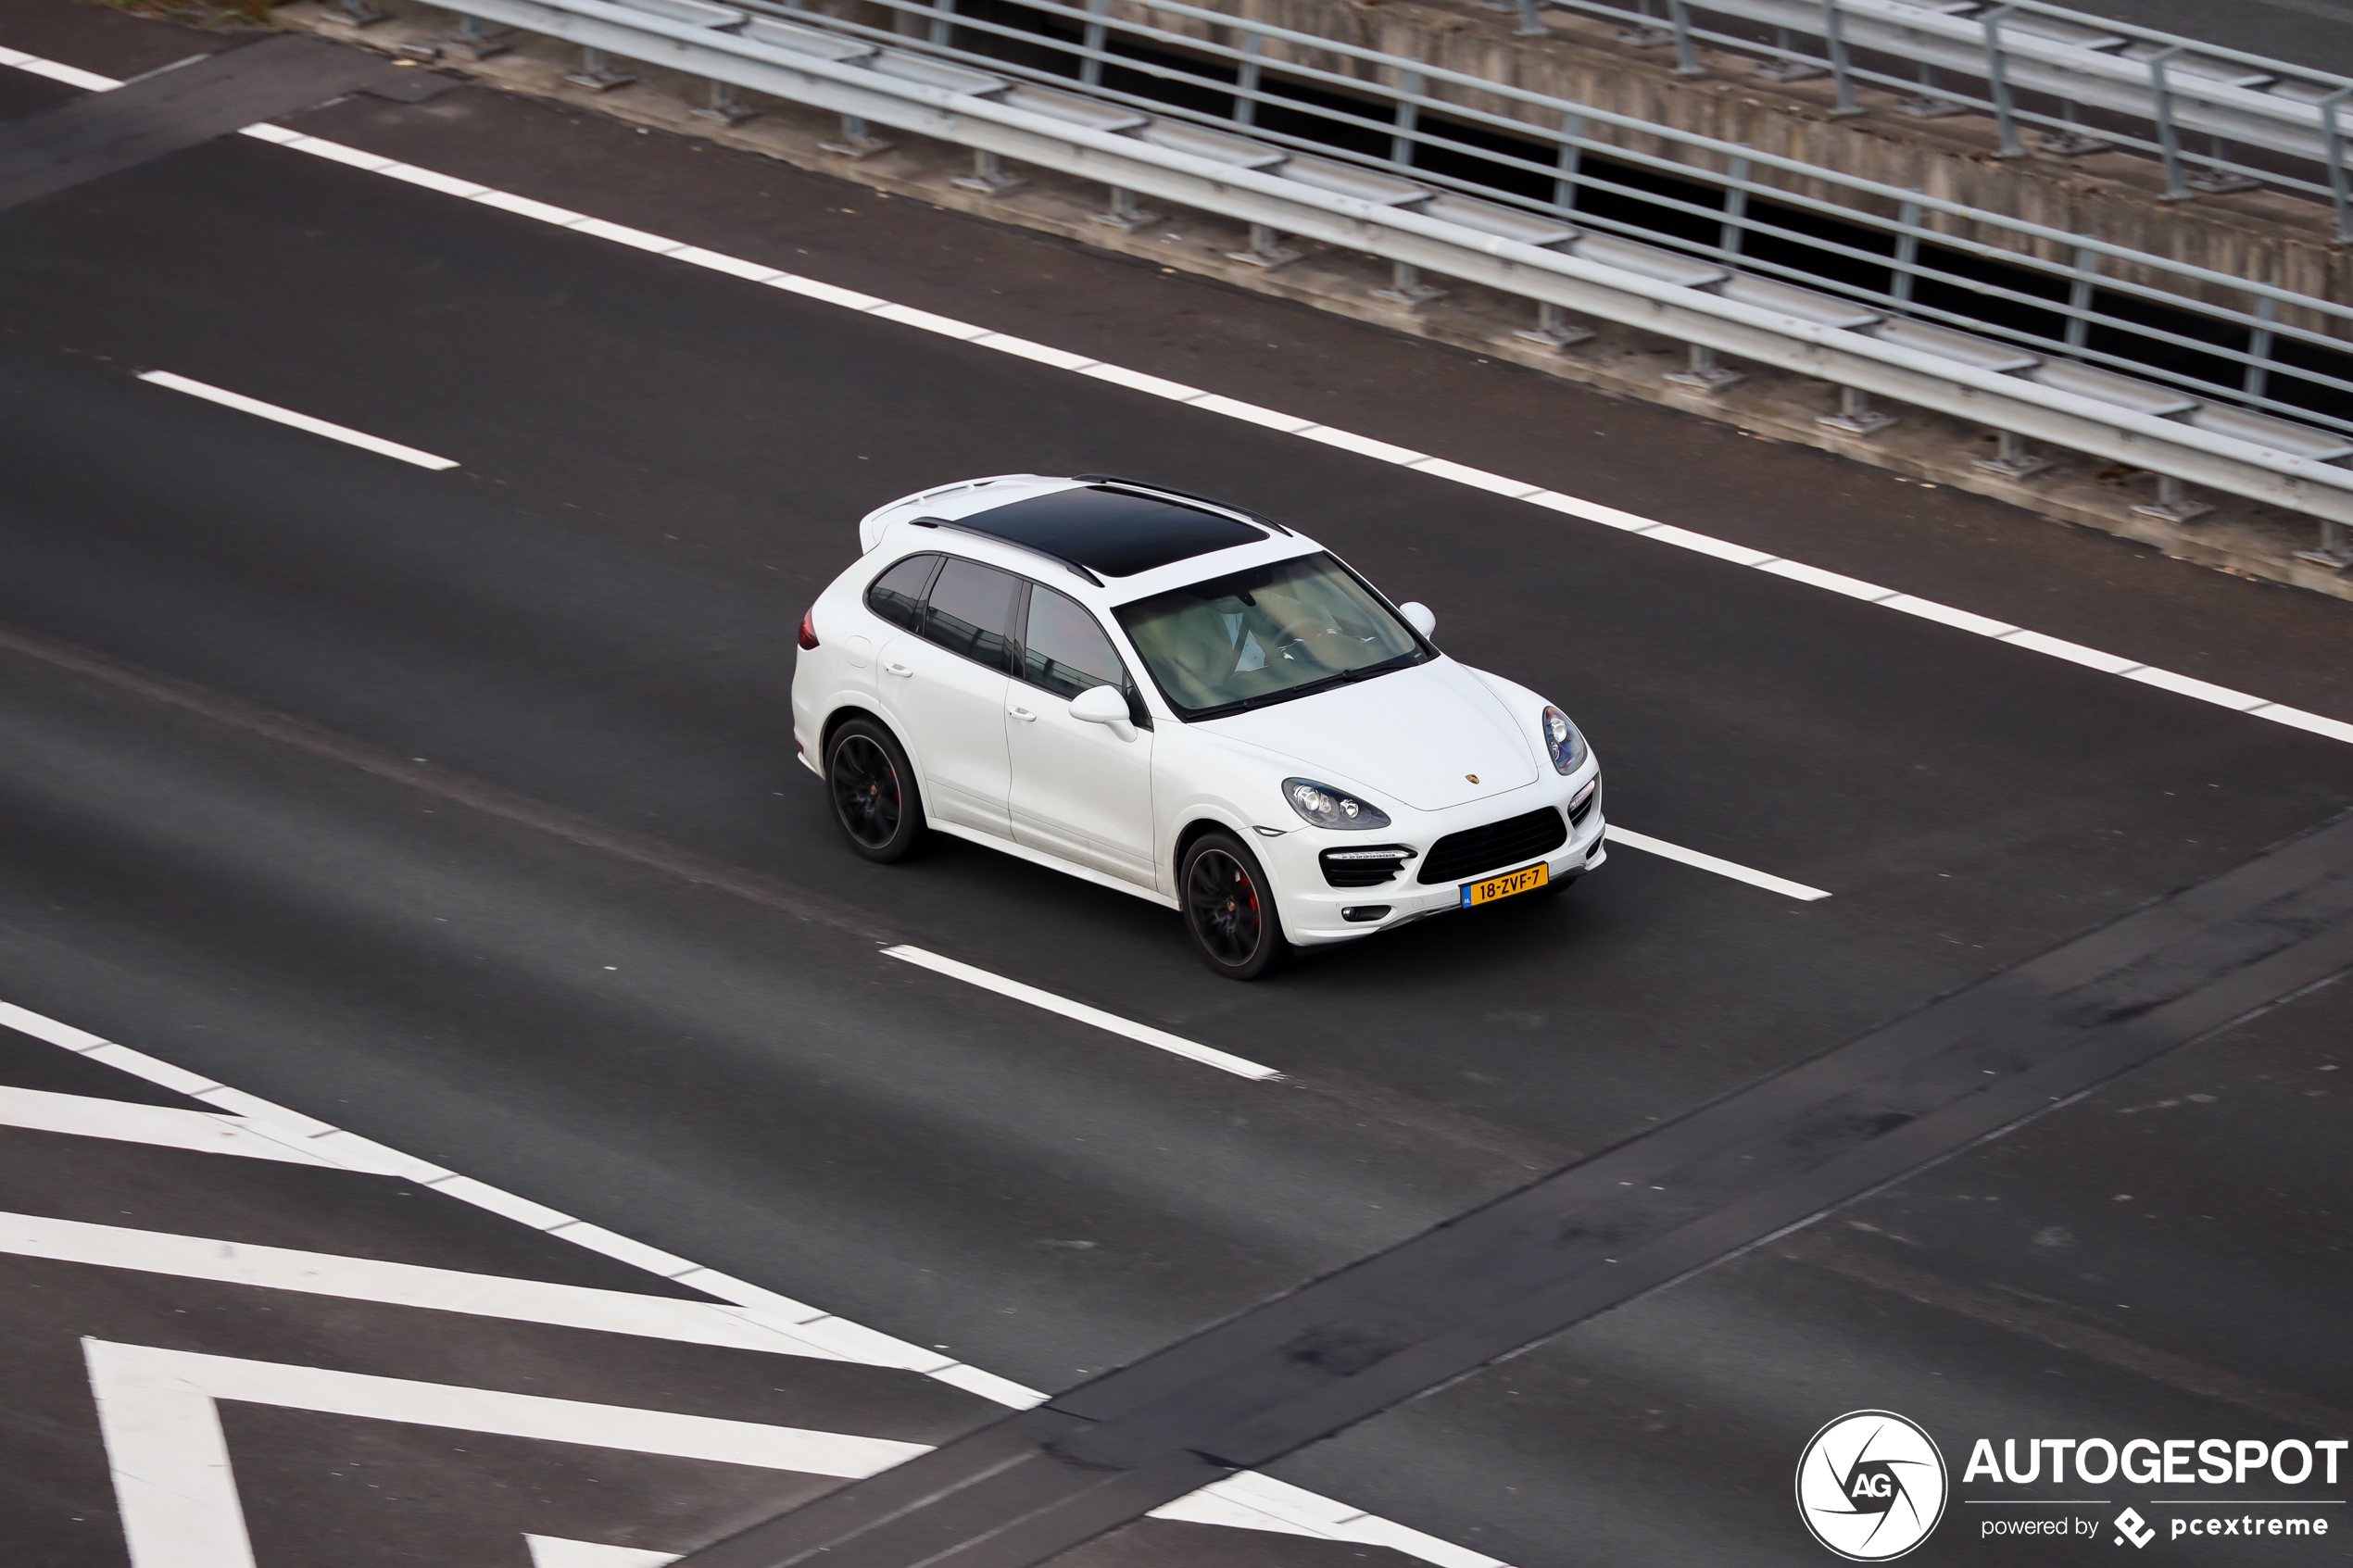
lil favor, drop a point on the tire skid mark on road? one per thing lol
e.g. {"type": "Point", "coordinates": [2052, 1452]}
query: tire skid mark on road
{"type": "Point", "coordinates": [1210, 402]}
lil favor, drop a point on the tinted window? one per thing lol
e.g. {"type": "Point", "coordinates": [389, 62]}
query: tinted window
{"type": "Point", "coordinates": [1065, 650]}
{"type": "Point", "coordinates": [897, 595]}
{"type": "Point", "coordinates": [1264, 634]}
{"type": "Point", "coordinates": [972, 611]}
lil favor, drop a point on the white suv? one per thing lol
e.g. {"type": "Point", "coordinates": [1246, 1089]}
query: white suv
{"type": "Point", "coordinates": [1184, 700]}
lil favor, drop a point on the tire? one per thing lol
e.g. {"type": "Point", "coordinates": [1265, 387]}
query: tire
{"type": "Point", "coordinates": [1228, 908]}
{"type": "Point", "coordinates": [873, 791]}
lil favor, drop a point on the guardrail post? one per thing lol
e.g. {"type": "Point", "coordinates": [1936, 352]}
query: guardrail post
{"type": "Point", "coordinates": [1907, 253]}
{"type": "Point", "coordinates": [1997, 77]}
{"type": "Point", "coordinates": [1401, 141]}
{"type": "Point", "coordinates": [1531, 19]}
{"type": "Point", "coordinates": [1266, 249]}
{"type": "Point", "coordinates": [358, 13]}
{"type": "Point", "coordinates": [2012, 458]}
{"type": "Point", "coordinates": [2258, 381]}
{"type": "Point", "coordinates": [2169, 139]}
{"type": "Point", "coordinates": [1554, 329]}
{"type": "Point", "coordinates": [1834, 35]}
{"type": "Point", "coordinates": [1732, 233]}
{"type": "Point", "coordinates": [1406, 288]}
{"type": "Point", "coordinates": [989, 177]}
{"type": "Point", "coordinates": [724, 107]}
{"type": "Point", "coordinates": [1572, 151]}
{"type": "Point", "coordinates": [1702, 374]}
{"type": "Point", "coordinates": [1090, 70]}
{"type": "Point", "coordinates": [596, 73]}
{"type": "Point", "coordinates": [1856, 416]}
{"type": "Point", "coordinates": [1928, 104]}
{"type": "Point", "coordinates": [855, 140]}
{"type": "Point", "coordinates": [1125, 215]}
{"type": "Point", "coordinates": [1246, 81]}
{"type": "Point", "coordinates": [1789, 67]}
{"type": "Point", "coordinates": [477, 40]}
{"type": "Point", "coordinates": [2079, 296]}
{"type": "Point", "coordinates": [2340, 190]}
{"type": "Point", "coordinates": [942, 27]}
{"type": "Point", "coordinates": [2335, 550]}
{"type": "Point", "coordinates": [2173, 502]}
{"type": "Point", "coordinates": [1679, 16]}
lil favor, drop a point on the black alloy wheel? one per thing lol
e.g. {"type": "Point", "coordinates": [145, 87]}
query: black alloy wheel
{"type": "Point", "coordinates": [1229, 912]}
{"type": "Point", "coordinates": [874, 791]}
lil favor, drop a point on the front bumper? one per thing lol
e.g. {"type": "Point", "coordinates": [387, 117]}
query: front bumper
{"type": "Point", "coordinates": [1310, 907]}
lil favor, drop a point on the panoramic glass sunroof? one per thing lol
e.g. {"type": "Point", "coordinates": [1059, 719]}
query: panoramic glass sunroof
{"type": "Point", "coordinates": [1112, 531]}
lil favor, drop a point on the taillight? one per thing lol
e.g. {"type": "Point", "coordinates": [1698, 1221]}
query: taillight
{"type": "Point", "coordinates": [809, 629]}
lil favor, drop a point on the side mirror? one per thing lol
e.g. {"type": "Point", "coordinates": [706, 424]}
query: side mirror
{"type": "Point", "coordinates": [1418, 617]}
{"type": "Point", "coordinates": [1106, 706]}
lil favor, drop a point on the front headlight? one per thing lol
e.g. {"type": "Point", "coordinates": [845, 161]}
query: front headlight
{"type": "Point", "coordinates": [1563, 740]}
{"type": "Point", "coordinates": [1324, 806]}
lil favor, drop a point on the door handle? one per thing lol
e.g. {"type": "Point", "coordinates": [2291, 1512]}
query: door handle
{"type": "Point", "coordinates": [1024, 714]}
{"type": "Point", "coordinates": [903, 670]}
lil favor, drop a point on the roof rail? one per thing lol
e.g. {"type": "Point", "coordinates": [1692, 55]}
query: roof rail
{"type": "Point", "coordinates": [1010, 543]}
{"type": "Point", "coordinates": [1139, 485]}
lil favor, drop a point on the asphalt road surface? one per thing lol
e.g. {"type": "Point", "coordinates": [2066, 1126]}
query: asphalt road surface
{"type": "Point", "coordinates": [459, 809]}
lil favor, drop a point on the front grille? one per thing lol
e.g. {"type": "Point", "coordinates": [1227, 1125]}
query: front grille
{"type": "Point", "coordinates": [1364, 866]}
{"type": "Point", "coordinates": [1473, 850]}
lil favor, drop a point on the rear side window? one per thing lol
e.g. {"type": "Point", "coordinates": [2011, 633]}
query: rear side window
{"type": "Point", "coordinates": [897, 595]}
{"type": "Point", "coordinates": [1065, 650]}
{"type": "Point", "coordinates": [971, 612]}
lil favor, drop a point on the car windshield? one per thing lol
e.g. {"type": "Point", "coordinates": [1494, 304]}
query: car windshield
{"type": "Point", "coordinates": [1265, 634]}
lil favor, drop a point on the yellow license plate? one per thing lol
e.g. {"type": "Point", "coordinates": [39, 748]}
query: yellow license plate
{"type": "Point", "coordinates": [1503, 887]}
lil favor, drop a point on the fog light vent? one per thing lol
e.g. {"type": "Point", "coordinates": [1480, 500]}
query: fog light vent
{"type": "Point", "coordinates": [1365, 911]}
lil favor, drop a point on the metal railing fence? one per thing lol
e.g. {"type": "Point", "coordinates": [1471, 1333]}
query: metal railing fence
{"type": "Point", "coordinates": [2217, 119]}
{"type": "Point", "coordinates": [2048, 292]}
{"type": "Point", "coordinates": [1272, 150]}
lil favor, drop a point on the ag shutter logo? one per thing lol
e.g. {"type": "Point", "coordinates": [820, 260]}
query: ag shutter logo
{"type": "Point", "coordinates": [1870, 1486]}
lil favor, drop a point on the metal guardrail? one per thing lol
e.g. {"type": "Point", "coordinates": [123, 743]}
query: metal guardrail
{"type": "Point", "coordinates": [2151, 91]}
{"type": "Point", "coordinates": [1566, 261]}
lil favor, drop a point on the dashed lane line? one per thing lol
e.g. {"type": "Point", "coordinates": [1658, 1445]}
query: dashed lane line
{"type": "Point", "coordinates": [1144, 1033]}
{"type": "Point", "coordinates": [254, 406]}
{"type": "Point", "coordinates": [1271, 418]}
{"type": "Point", "coordinates": [1737, 872]}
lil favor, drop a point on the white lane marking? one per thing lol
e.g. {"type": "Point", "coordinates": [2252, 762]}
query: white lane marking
{"type": "Point", "coordinates": [1144, 1033]}
{"type": "Point", "coordinates": [553, 1551]}
{"type": "Point", "coordinates": [1272, 418]}
{"type": "Point", "coordinates": [177, 1493]}
{"type": "Point", "coordinates": [1738, 873]}
{"type": "Point", "coordinates": [401, 1284]}
{"type": "Point", "coordinates": [300, 421]}
{"type": "Point", "coordinates": [165, 1126]}
{"type": "Point", "coordinates": [833, 1335]}
{"type": "Point", "coordinates": [1210, 402]}
{"type": "Point", "coordinates": [1308, 1513]}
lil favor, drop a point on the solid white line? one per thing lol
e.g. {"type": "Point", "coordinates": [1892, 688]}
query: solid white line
{"type": "Point", "coordinates": [1738, 873]}
{"type": "Point", "coordinates": [177, 1493]}
{"type": "Point", "coordinates": [398, 1285]}
{"type": "Point", "coordinates": [1159, 1040]}
{"type": "Point", "coordinates": [1210, 402]}
{"type": "Point", "coordinates": [300, 421]}
{"type": "Point", "coordinates": [163, 1125]}
{"type": "Point", "coordinates": [1379, 451]}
